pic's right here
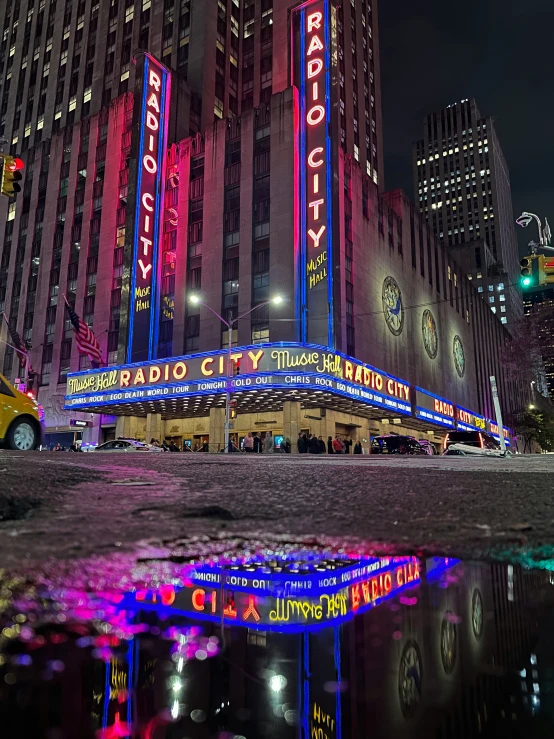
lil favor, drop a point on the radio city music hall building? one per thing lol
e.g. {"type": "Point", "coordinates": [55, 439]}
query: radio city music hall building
{"type": "Point", "coordinates": [146, 203]}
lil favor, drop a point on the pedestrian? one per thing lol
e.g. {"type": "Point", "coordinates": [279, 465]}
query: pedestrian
{"type": "Point", "coordinates": [248, 443]}
{"type": "Point", "coordinates": [358, 447]}
{"type": "Point", "coordinates": [173, 446]}
{"type": "Point", "coordinates": [300, 444]}
{"type": "Point", "coordinates": [268, 443]}
{"type": "Point", "coordinates": [337, 445]}
{"type": "Point", "coordinates": [165, 446]}
{"type": "Point", "coordinates": [58, 448]}
{"type": "Point", "coordinates": [286, 445]}
{"type": "Point", "coordinates": [321, 445]}
{"type": "Point", "coordinates": [257, 444]}
{"type": "Point", "coordinates": [347, 444]}
{"type": "Point", "coordinates": [330, 449]}
{"type": "Point", "coordinates": [313, 445]}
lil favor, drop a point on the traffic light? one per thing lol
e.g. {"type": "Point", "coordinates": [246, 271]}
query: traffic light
{"type": "Point", "coordinates": [236, 367]}
{"type": "Point", "coordinates": [233, 410]}
{"type": "Point", "coordinates": [11, 175]}
{"type": "Point", "coordinates": [533, 271]}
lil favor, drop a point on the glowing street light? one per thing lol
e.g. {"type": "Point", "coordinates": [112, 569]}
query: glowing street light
{"type": "Point", "coordinates": [196, 300]}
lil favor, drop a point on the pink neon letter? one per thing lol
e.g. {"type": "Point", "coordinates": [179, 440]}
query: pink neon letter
{"type": "Point", "coordinates": [153, 102]}
{"type": "Point", "coordinates": [150, 164]}
{"type": "Point", "coordinates": [315, 45]}
{"type": "Point", "coordinates": [145, 268]}
{"type": "Point", "coordinates": [151, 121]}
{"type": "Point", "coordinates": [146, 243]}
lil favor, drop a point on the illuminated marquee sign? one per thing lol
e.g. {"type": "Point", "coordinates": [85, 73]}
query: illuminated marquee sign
{"type": "Point", "coordinates": [311, 75]}
{"type": "Point", "coordinates": [492, 427]}
{"type": "Point", "coordinates": [263, 366]}
{"type": "Point", "coordinates": [150, 182]}
{"type": "Point", "coordinates": [431, 408]}
{"type": "Point", "coordinates": [301, 608]}
{"type": "Point", "coordinates": [469, 421]}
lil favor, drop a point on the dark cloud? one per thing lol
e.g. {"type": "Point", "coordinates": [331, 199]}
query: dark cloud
{"type": "Point", "coordinates": [434, 53]}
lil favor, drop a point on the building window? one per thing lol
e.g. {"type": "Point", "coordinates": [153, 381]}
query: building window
{"type": "Point", "coordinates": [504, 319]}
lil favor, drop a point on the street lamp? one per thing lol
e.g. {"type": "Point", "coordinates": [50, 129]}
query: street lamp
{"type": "Point", "coordinates": [545, 235]}
{"type": "Point", "coordinates": [195, 300]}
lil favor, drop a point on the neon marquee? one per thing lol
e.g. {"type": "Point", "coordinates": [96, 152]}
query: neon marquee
{"type": "Point", "coordinates": [311, 73]}
{"type": "Point", "coordinates": [154, 115]}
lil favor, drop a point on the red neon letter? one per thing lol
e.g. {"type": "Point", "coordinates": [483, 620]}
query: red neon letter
{"type": "Point", "coordinates": [314, 21]}
{"type": "Point", "coordinates": [355, 597]}
{"type": "Point", "coordinates": [151, 121]}
{"type": "Point", "coordinates": [145, 268]}
{"type": "Point", "coordinates": [388, 583]}
{"type": "Point", "coordinates": [311, 161]}
{"type": "Point", "coordinates": [315, 115]}
{"type": "Point", "coordinates": [251, 610]}
{"type": "Point", "coordinates": [314, 67]}
{"type": "Point", "coordinates": [153, 102]}
{"type": "Point", "coordinates": [154, 81]}
{"type": "Point", "coordinates": [315, 45]}
{"type": "Point", "coordinates": [167, 593]}
{"type": "Point", "coordinates": [148, 205]}
{"type": "Point", "coordinates": [399, 577]}
{"type": "Point", "coordinates": [198, 598]}
{"type": "Point", "coordinates": [315, 205]}
{"type": "Point", "coordinates": [316, 236]}
{"type": "Point", "coordinates": [150, 164]}
{"type": "Point", "coordinates": [124, 378]}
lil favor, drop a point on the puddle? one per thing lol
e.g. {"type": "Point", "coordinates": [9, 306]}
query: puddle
{"type": "Point", "coordinates": [289, 641]}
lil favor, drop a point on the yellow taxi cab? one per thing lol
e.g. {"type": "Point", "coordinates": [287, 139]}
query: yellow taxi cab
{"type": "Point", "coordinates": [20, 426]}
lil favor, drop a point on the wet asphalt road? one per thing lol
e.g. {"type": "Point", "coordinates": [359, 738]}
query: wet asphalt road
{"type": "Point", "coordinates": [76, 505]}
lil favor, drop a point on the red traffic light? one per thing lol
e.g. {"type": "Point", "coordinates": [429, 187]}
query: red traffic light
{"type": "Point", "coordinates": [14, 165]}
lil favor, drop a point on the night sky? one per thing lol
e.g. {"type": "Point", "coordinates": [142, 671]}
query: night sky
{"type": "Point", "coordinates": [500, 52]}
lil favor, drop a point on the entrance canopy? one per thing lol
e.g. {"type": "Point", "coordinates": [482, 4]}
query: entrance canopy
{"type": "Point", "coordinates": [264, 377]}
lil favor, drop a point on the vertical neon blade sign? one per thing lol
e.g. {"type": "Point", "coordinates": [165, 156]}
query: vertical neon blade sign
{"type": "Point", "coordinates": [154, 115]}
{"type": "Point", "coordinates": [311, 73]}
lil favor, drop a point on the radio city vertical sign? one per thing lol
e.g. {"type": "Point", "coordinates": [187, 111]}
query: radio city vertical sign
{"type": "Point", "coordinates": [152, 115]}
{"type": "Point", "coordinates": [311, 75]}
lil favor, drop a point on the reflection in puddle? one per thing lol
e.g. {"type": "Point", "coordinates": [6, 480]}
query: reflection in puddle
{"type": "Point", "coordinates": [295, 643]}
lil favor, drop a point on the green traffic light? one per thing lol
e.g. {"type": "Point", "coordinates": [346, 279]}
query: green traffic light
{"type": "Point", "coordinates": [526, 281]}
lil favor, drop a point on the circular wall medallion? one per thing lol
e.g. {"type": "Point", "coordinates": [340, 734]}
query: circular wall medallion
{"type": "Point", "coordinates": [449, 642]}
{"type": "Point", "coordinates": [410, 679]}
{"type": "Point", "coordinates": [459, 356]}
{"type": "Point", "coordinates": [392, 306]}
{"type": "Point", "coordinates": [430, 336]}
{"type": "Point", "coordinates": [477, 613]}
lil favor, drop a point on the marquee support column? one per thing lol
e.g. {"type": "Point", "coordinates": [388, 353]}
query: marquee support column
{"type": "Point", "coordinates": [292, 422]}
{"type": "Point", "coordinates": [126, 426]}
{"type": "Point", "coordinates": [217, 429]}
{"type": "Point", "coordinates": [154, 427]}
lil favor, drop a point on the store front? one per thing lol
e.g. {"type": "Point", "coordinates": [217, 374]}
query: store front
{"type": "Point", "coordinates": [284, 389]}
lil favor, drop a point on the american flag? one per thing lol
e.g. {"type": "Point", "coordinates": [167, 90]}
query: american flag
{"type": "Point", "coordinates": [85, 338]}
{"type": "Point", "coordinates": [18, 343]}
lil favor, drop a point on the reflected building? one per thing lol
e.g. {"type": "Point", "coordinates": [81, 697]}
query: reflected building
{"type": "Point", "coordinates": [336, 647]}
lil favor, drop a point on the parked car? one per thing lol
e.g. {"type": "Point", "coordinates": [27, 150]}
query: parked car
{"type": "Point", "coordinates": [428, 446]}
{"type": "Point", "coordinates": [20, 426]}
{"type": "Point", "coordinates": [454, 453]}
{"type": "Point", "coordinates": [127, 445]}
{"type": "Point", "coordinates": [479, 439]}
{"type": "Point", "coordinates": [396, 444]}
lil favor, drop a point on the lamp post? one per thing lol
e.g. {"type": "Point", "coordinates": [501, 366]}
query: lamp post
{"type": "Point", "coordinates": [545, 234]}
{"type": "Point", "coordinates": [195, 300]}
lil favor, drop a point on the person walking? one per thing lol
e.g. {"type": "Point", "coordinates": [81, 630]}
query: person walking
{"type": "Point", "coordinates": [257, 444]}
{"type": "Point", "coordinates": [285, 445]}
{"type": "Point", "coordinates": [321, 445]}
{"type": "Point", "coordinates": [330, 449]}
{"type": "Point", "coordinates": [248, 443]}
{"type": "Point", "coordinates": [268, 443]}
{"type": "Point", "coordinates": [313, 445]}
{"type": "Point", "coordinates": [347, 444]}
{"type": "Point", "coordinates": [301, 443]}
{"type": "Point", "coordinates": [173, 447]}
{"type": "Point", "coordinates": [358, 447]}
{"type": "Point", "coordinates": [337, 445]}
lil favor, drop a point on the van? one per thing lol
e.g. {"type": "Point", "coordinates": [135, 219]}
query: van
{"type": "Point", "coordinates": [20, 426]}
{"type": "Point", "coordinates": [480, 439]}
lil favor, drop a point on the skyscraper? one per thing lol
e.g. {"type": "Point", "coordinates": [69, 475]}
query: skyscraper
{"type": "Point", "coordinates": [462, 184]}
{"type": "Point", "coordinates": [539, 309]}
{"type": "Point", "coordinates": [226, 144]}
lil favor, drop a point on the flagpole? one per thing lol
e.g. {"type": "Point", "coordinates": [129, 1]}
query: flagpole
{"type": "Point", "coordinates": [19, 351]}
